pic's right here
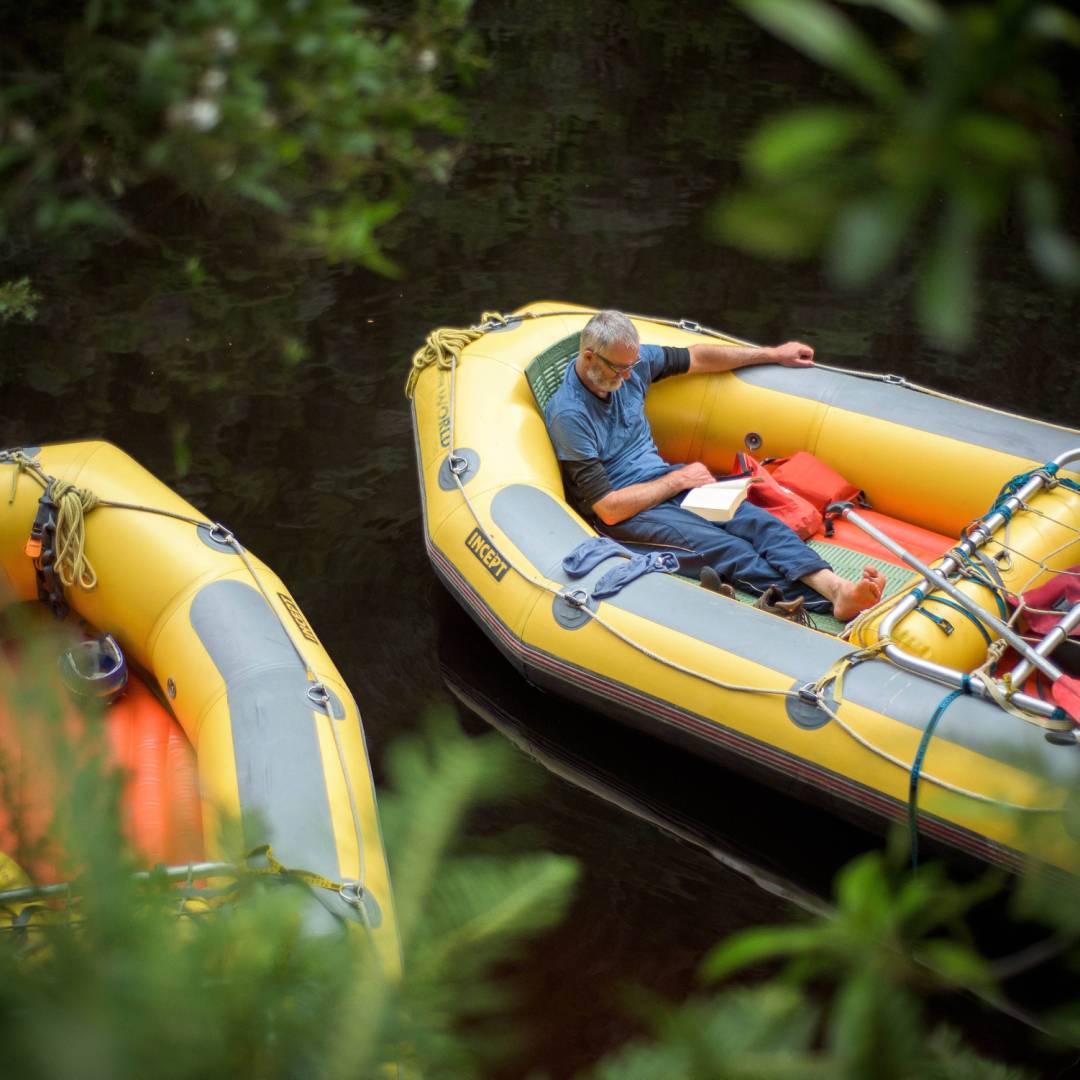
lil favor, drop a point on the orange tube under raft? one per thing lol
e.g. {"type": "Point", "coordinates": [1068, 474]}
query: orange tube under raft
{"type": "Point", "coordinates": [276, 734]}
{"type": "Point", "coordinates": [161, 811]}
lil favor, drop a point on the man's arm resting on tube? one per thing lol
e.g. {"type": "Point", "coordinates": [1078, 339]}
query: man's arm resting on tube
{"type": "Point", "coordinates": [706, 358]}
{"type": "Point", "coordinates": [622, 503]}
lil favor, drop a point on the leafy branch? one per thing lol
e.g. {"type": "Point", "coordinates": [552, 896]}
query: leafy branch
{"type": "Point", "coordinates": [961, 126]}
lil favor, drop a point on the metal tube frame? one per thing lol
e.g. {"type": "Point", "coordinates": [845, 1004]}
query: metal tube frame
{"type": "Point", "coordinates": [186, 871]}
{"type": "Point", "coordinates": [1049, 643]}
{"type": "Point", "coordinates": [979, 535]}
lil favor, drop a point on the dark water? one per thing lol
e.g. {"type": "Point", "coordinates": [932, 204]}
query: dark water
{"type": "Point", "coordinates": [601, 135]}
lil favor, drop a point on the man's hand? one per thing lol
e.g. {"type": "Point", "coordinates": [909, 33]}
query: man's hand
{"type": "Point", "coordinates": [793, 354]}
{"type": "Point", "coordinates": [622, 503]}
{"type": "Point", "coordinates": [708, 358]}
{"type": "Point", "coordinates": [691, 476]}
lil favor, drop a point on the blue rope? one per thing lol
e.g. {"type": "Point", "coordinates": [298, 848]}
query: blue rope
{"type": "Point", "coordinates": [1017, 482]}
{"type": "Point", "coordinates": [942, 624]}
{"type": "Point", "coordinates": [963, 611]}
{"type": "Point", "coordinates": [977, 573]}
{"type": "Point", "coordinates": [916, 766]}
{"type": "Point", "coordinates": [1052, 468]}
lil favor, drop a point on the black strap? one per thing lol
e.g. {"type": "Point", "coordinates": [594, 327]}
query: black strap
{"type": "Point", "coordinates": [43, 542]}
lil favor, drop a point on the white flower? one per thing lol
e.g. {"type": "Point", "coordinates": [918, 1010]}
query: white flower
{"type": "Point", "coordinates": [197, 114]}
{"type": "Point", "coordinates": [426, 59]}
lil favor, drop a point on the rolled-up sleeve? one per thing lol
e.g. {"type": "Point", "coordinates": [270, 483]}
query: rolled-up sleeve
{"type": "Point", "coordinates": [676, 362]}
{"type": "Point", "coordinates": [586, 482]}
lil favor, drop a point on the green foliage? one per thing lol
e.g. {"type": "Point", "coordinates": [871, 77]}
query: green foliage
{"type": "Point", "coordinates": [311, 118]}
{"type": "Point", "coordinates": [457, 915]}
{"type": "Point", "coordinates": [129, 987]}
{"type": "Point", "coordinates": [18, 300]}
{"type": "Point", "coordinates": [767, 1032]}
{"type": "Point", "coordinates": [871, 961]}
{"type": "Point", "coordinates": [963, 125]}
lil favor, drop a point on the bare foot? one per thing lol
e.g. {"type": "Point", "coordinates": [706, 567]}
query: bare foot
{"type": "Point", "coordinates": [851, 597]}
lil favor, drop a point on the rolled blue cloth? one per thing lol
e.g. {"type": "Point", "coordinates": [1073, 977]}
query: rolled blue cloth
{"type": "Point", "coordinates": [590, 553]}
{"type": "Point", "coordinates": [663, 562]}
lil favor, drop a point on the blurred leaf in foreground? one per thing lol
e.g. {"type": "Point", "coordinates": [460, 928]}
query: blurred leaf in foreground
{"type": "Point", "coordinates": [125, 981]}
{"type": "Point", "coordinates": [965, 124]}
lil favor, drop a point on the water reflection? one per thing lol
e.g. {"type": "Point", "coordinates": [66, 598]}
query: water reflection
{"type": "Point", "coordinates": [777, 844]}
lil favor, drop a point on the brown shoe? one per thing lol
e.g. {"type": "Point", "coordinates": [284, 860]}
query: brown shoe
{"type": "Point", "coordinates": [710, 580]}
{"type": "Point", "coordinates": [772, 600]}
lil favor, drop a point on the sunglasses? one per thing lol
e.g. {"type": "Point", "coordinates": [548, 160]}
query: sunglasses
{"type": "Point", "coordinates": [619, 369]}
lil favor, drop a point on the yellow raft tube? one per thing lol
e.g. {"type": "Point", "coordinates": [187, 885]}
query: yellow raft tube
{"type": "Point", "coordinates": [277, 735]}
{"type": "Point", "coordinates": [900, 715]}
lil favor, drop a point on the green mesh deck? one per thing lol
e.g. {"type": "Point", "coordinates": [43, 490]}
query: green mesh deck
{"type": "Point", "coordinates": [848, 564]}
{"type": "Point", "coordinates": [546, 372]}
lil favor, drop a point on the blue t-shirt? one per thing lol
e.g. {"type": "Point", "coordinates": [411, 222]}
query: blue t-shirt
{"type": "Point", "coordinates": [613, 431]}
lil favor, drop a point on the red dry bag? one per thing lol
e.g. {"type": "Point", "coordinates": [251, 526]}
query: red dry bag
{"type": "Point", "coordinates": [792, 509]}
{"type": "Point", "coordinates": [815, 481]}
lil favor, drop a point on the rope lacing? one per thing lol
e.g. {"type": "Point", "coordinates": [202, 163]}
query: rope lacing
{"type": "Point", "coordinates": [813, 693]}
{"type": "Point", "coordinates": [982, 569]}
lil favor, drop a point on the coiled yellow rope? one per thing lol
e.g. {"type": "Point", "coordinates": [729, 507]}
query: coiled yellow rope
{"type": "Point", "coordinates": [443, 346]}
{"type": "Point", "coordinates": [72, 565]}
{"type": "Point", "coordinates": [73, 504]}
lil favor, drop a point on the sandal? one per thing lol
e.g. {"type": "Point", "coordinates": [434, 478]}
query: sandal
{"type": "Point", "coordinates": [772, 600]}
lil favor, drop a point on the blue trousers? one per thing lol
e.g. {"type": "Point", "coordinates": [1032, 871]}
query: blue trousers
{"type": "Point", "coordinates": [751, 551]}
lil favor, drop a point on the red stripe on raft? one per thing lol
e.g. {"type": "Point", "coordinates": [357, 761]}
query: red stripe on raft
{"type": "Point", "coordinates": [779, 760]}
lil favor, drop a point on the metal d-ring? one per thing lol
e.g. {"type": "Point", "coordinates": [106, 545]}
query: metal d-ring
{"type": "Point", "coordinates": [352, 892]}
{"type": "Point", "coordinates": [575, 597]}
{"type": "Point", "coordinates": [220, 535]}
{"type": "Point", "coordinates": [318, 695]}
{"type": "Point", "coordinates": [457, 464]}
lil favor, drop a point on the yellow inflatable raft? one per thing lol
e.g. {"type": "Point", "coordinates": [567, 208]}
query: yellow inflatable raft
{"type": "Point", "coordinates": [907, 713]}
{"type": "Point", "coordinates": [276, 733]}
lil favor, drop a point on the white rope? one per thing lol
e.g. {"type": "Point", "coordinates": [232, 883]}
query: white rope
{"type": "Point", "coordinates": [955, 789]}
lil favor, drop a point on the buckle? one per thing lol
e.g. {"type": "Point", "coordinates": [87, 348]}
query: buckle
{"type": "Point", "coordinates": [577, 598]}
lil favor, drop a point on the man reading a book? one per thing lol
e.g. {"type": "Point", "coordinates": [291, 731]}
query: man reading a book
{"type": "Point", "coordinates": [615, 476]}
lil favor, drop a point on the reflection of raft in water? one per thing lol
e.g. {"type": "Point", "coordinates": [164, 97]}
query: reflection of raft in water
{"type": "Point", "coordinates": [791, 856]}
{"type": "Point", "coordinates": [276, 735]}
{"type": "Point", "coordinates": [916, 701]}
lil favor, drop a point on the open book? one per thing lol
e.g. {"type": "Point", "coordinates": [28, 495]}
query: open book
{"type": "Point", "coordinates": [720, 500]}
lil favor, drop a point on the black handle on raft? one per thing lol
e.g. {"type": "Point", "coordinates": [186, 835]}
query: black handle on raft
{"type": "Point", "coordinates": [832, 511]}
